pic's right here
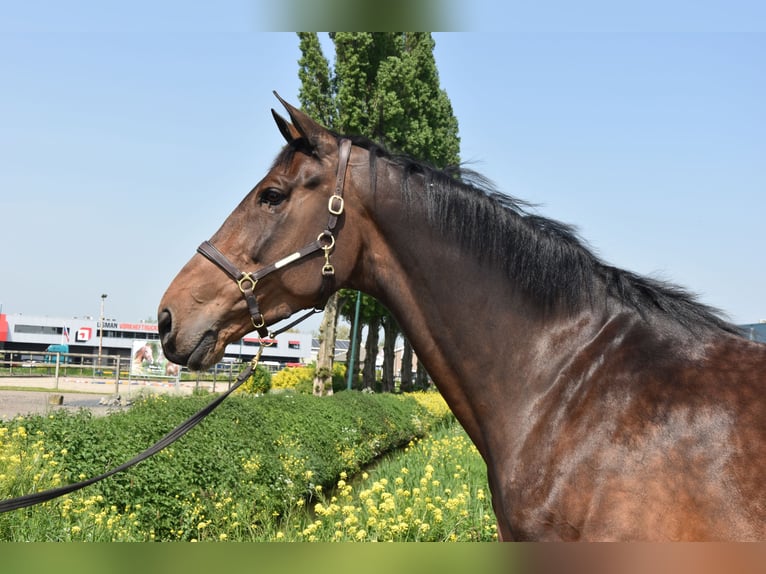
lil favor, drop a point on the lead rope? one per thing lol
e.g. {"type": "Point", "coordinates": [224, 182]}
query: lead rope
{"type": "Point", "coordinates": [325, 242]}
{"type": "Point", "coordinates": [169, 438]}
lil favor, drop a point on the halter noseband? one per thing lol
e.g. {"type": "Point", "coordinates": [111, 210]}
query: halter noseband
{"type": "Point", "coordinates": [325, 241]}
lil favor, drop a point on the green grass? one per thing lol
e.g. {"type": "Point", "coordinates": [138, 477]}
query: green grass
{"type": "Point", "coordinates": [255, 470]}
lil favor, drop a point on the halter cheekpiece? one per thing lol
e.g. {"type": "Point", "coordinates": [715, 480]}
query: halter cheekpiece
{"type": "Point", "coordinates": [325, 241]}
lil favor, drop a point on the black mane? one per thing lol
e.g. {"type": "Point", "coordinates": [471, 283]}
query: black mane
{"type": "Point", "coordinates": [546, 258]}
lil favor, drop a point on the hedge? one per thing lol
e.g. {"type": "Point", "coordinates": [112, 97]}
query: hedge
{"type": "Point", "coordinates": [269, 451]}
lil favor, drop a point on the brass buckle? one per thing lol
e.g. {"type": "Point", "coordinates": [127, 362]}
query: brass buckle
{"type": "Point", "coordinates": [260, 323]}
{"type": "Point", "coordinates": [331, 204]}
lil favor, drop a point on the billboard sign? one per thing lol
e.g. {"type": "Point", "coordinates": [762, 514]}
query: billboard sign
{"type": "Point", "coordinates": [147, 360]}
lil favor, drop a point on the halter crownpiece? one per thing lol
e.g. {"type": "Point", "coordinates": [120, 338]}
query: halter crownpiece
{"type": "Point", "coordinates": [325, 241]}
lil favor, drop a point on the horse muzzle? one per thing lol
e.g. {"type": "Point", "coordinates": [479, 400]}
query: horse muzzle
{"type": "Point", "coordinates": [197, 349]}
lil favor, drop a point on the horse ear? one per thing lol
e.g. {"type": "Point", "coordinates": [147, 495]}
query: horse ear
{"type": "Point", "coordinates": [318, 137]}
{"type": "Point", "coordinates": [287, 129]}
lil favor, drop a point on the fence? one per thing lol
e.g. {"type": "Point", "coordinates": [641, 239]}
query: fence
{"type": "Point", "coordinates": [109, 369]}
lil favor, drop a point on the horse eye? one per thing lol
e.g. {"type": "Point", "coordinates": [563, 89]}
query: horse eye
{"type": "Point", "coordinates": [272, 197]}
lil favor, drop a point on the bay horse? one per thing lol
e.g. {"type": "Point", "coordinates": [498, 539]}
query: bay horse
{"type": "Point", "coordinates": [606, 405]}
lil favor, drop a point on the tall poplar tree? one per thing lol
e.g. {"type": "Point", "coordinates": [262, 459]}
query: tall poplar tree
{"type": "Point", "coordinates": [316, 93]}
{"type": "Point", "coordinates": [385, 86]}
{"type": "Point", "coordinates": [415, 117]}
{"type": "Point", "coordinates": [414, 114]}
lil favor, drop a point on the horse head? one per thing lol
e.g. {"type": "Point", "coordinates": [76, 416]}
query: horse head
{"type": "Point", "coordinates": [144, 354]}
{"type": "Point", "coordinates": [283, 238]}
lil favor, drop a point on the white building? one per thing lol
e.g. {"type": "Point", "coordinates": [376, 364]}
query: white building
{"type": "Point", "coordinates": [83, 336]}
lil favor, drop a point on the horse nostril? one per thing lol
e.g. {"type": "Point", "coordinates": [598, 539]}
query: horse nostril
{"type": "Point", "coordinates": [164, 323]}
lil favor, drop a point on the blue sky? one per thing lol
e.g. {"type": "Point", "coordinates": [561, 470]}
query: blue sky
{"type": "Point", "coordinates": [127, 137]}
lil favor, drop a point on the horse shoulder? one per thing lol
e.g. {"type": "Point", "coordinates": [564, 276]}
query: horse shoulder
{"type": "Point", "coordinates": [646, 440]}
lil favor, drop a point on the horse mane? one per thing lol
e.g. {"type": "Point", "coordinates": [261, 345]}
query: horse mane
{"type": "Point", "coordinates": [546, 258]}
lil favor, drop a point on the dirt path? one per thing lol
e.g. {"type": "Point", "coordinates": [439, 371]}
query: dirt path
{"type": "Point", "coordinates": [25, 395]}
{"type": "Point", "coordinates": [13, 403]}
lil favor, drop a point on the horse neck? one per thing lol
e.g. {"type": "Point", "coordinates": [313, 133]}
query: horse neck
{"type": "Point", "coordinates": [446, 299]}
{"type": "Point", "coordinates": [474, 330]}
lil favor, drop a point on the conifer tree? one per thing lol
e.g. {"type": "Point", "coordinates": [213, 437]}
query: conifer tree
{"type": "Point", "coordinates": [385, 86]}
{"type": "Point", "coordinates": [316, 93]}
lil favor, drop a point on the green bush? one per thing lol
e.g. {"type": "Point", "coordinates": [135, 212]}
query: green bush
{"type": "Point", "coordinates": [259, 382]}
{"type": "Point", "coordinates": [294, 378]}
{"type": "Point", "coordinates": [262, 454]}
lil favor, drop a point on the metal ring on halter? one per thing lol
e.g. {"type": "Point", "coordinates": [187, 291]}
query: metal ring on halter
{"type": "Point", "coordinates": [324, 237]}
{"type": "Point", "coordinates": [268, 341]}
{"type": "Point", "coordinates": [247, 277]}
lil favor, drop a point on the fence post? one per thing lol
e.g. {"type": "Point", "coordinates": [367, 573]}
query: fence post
{"type": "Point", "coordinates": [117, 378]}
{"type": "Point", "coordinates": [58, 359]}
{"type": "Point", "coordinates": [130, 376]}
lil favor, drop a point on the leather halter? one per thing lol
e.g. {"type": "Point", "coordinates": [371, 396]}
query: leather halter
{"type": "Point", "coordinates": [325, 241]}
